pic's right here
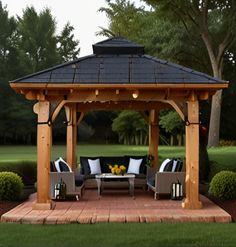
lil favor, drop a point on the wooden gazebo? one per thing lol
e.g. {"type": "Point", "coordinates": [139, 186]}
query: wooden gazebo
{"type": "Point", "coordinates": [117, 76]}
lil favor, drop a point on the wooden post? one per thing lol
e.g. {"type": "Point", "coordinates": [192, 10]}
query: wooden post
{"type": "Point", "coordinates": [71, 135]}
{"type": "Point", "coordinates": [154, 136]}
{"type": "Point", "coordinates": [44, 142]}
{"type": "Point", "coordinates": [192, 155]}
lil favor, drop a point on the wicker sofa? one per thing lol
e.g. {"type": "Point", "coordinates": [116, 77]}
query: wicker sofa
{"type": "Point", "coordinates": [105, 161]}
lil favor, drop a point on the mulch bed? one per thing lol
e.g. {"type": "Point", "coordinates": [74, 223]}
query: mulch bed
{"type": "Point", "coordinates": [5, 206]}
{"type": "Point", "coordinates": [228, 206]}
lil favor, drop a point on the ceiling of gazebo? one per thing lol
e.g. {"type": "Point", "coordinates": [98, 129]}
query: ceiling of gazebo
{"type": "Point", "coordinates": [117, 71]}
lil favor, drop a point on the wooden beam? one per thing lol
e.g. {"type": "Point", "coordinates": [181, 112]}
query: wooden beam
{"type": "Point", "coordinates": [44, 142]}
{"type": "Point", "coordinates": [192, 156]}
{"type": "Point", "coordinates": [116, 93]}
{"type": "Point", "coordinates": [146, 85]}
{"type": "Point", "coordinates": [124, 105]}
{"type": "Point", "coordinates": [88, 95]}
{"type": "Point", "coordinates": [154, 136]}
{"type": "Point", "coordinates": [40, 96]}
{"type": "Point", "coordinates": [204, 95]}
{"type": "Point", "coordinates": [30, 95]}
{"type": "Point", "coordinates": [71, 135]}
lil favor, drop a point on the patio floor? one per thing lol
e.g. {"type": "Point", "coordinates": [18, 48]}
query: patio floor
{"type": "Point", "coordinates": [115, 206]}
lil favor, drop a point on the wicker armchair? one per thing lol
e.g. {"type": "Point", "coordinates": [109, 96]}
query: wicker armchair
{"type": "Point", "coordinates": [72, 186]}
{"type": "Point", "coordinates": [160, 182]}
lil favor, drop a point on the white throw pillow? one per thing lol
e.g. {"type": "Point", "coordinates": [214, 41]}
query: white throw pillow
{"type": "Point", "coordinates": [134, 166]}
{"type": "Point", "coordinates": [95, 166]}
{"type": "Point", "coordinates": [163, 164]}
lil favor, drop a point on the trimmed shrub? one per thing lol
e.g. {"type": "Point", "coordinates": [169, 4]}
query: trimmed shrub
{"type": "Point", "coordinates": [223, 185]}
{"type": "Point", "coordinates": [27, 170]}
{"type": "Point", "coordinates": [11, 186]}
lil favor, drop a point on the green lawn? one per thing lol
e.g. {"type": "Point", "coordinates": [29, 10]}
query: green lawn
{"type": "Point", "coordinates": [226, 156]}
{"type": "Point", "coordinates": [106, 235]}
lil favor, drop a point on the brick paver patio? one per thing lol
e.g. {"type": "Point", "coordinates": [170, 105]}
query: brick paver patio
{"type": "Point", "coordinates": [116, 206]}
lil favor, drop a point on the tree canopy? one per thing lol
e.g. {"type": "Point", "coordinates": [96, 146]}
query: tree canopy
{"type": "Point", "coordinates": [197, 34]}
{"type": "Point", "coordinates": [131, 127]}
{"type": "Point", "coordinates": [28, 44]}
{"type": "Point", "coordinates": [215, 22]}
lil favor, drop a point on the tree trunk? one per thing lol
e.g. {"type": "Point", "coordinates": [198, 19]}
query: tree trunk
{"type": "Point", "coordinates": [136, 139]}
{"type": "Point", "coordinates": [145, 140]}
{"type": "Point", "coordinates": [214, 127]}
{"type": "Point", "coordinates": [217, 68]}
{"type": "Point", "coordinates": [179, 138]}
{"type": "Point", "coordinates": [172, 140]}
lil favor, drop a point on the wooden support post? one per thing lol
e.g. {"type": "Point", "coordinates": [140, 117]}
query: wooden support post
{"type": "Point", "coordinates": [44, 142]}
{"type": "Point", "coordinates": [192, 156]}
{"type": "Point", "coordinates": [154, 136]}
{"type": "Point", "coordinates": [71, 135]}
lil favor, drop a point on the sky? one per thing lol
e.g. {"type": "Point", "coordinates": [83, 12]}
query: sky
{"type": "Point", "coordinates": [83, 15]}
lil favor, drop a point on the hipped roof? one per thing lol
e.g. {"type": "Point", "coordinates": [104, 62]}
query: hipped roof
{"type": "Point", "coordinates": [118, 61]}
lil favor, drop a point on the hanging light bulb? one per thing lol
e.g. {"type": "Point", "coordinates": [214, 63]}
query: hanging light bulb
{"type": "Point", "coordinates": [135, 94]}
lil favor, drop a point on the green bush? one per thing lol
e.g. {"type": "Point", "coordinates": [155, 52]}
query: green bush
{"type": "Point", "coordinates": [27, 170]}
{"type": "Point", "coordinates": [227, 143]}
{"type": "Point", "coordinates": [11, 186]}
{"type": "Point", "coordinates": [223, 185]}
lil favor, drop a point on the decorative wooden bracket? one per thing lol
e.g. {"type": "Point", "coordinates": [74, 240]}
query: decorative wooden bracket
{"type": "Point", "coordinates": [55, 108]}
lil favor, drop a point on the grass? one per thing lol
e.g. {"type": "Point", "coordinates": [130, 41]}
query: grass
{"type": "Point", "coordinates": [132, 234]}
{"type": "Point", "coordinates": [226, 156]}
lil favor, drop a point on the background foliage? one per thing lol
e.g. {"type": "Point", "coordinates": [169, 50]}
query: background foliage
{"type": "Point", "coordinates": [28, 44]}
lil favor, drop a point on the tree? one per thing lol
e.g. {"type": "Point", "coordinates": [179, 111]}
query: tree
{"type": "Point", "coordinates": [156, 32]}
{"type": "Point", "coordinates": [173, 124]}
{"type": "Point", "coordinates": [7, 49]}
{"type": "Point", "coordinates": [215, 22]}
{"type": "Point", "coordinates": [123, 16]}
{"type": "Point", "coordinates": [27, 45]}
{"type": "Point", "coordinates": [7, 33]}
{"type": "Point", "coordinates": [37, 41]}
{"type": "Point", "coordinates": [228, 117]}
{"type": "Point", "coordinates": [131, 127]}
{"type": "Point", "coordinates": [67, 46]}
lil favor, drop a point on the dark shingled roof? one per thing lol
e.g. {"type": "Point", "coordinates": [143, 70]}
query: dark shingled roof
{"type": "Point", "coordinates": [119, 61]}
